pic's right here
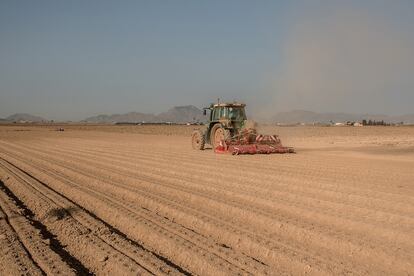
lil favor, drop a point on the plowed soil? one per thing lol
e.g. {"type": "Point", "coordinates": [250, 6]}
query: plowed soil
{"type": "Point", "coordinates": [128, 200]}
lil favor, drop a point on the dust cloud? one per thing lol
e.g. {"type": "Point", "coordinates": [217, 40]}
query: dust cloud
{"type": "Point", "coordinates": [346, 59]}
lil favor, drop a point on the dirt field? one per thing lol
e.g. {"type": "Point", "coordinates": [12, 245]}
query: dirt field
{"type": "Point", "coordinates": [124, 200]}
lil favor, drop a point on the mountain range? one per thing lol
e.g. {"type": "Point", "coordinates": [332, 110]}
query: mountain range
{"type": "Point", "coordinates": [23, 117]}
{"type": "Point", "coordinates": [178, 114]}
{"type": "Point", "coordinates": [190, 113]}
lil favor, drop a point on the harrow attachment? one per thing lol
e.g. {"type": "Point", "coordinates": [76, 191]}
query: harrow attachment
{"type": "Point", "coordinates": [250, 143]}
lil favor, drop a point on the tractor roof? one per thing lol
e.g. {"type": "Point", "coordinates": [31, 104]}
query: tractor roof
{"type": "Point", "coordinates": [229, 105]}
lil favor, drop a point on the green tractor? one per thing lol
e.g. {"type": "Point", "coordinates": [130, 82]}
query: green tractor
{"type": "Point", "coordinates": [226, 120]}
{"type": "Point", "coordinates": [229, 131]}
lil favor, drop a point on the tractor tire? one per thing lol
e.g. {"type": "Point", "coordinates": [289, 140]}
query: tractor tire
{"type": "Point", "coordinates": [197, 140]}
{"type": "Point", "coordinates": [217, 134]}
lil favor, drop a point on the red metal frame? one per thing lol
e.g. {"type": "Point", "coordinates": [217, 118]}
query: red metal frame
{"type": "Point", "coordinates": [247, 143]}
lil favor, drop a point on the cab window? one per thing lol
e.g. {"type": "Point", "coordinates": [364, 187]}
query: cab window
{"type": "Point", "coordinates": [216, 114]}
{"type": "Point", "coordinates": [236, 114]}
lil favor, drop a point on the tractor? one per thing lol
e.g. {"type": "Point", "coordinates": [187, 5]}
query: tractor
{"type": "Point", "coordinates": [228, 130]}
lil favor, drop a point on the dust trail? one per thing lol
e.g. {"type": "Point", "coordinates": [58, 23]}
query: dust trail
{"type": "Point", "coordinates": [345, 58]}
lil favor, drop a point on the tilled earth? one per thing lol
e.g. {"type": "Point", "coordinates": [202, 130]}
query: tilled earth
{"type": "Point", "coordinates": [93, 201]}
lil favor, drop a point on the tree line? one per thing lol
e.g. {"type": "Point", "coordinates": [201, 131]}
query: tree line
{"type": "Point", "coordinates": [376, 123]}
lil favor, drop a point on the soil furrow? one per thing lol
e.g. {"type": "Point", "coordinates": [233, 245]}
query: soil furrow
{"type": "Point", "coordinates": [138, 217]}
{"type": "Point", "coordinates": [121, 202]}
{"type": "Point", "coordinates": [367, 214]}
{"type": "Point", "coordinates": [14, 257]}
{"type": "Point", "coordinates": [215, 196]}
{"type": "Point", "coordinates": [97, 256]}
{"type": "Point", "coordinates": [266, 245]}
{"type": "Point", "coordinates": [112, 236]}
{"type": "Point", "coordinates": [269, 180]}
{"type": "Point", "coordinates": [358, 251]}
{"type": "Point", "coordinates": [47, 252]}
{"type": "Point", "coordinates": [366, 217]}
{"type": "Point", "coordinates": [320, 172]}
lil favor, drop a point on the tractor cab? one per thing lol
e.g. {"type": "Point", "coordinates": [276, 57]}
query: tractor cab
{"type": "Point", "coordinates": [232, 112]}
{"type": "Point", "coordinates": [225, 121]}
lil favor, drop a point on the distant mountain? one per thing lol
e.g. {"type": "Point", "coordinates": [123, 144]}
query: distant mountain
{"type": "Point", "coordinates": [178, 114]}
{"type": "Point", "coordinates": [303, 116]}
{"type": "Point", "coordinates": [131, 117]}
{"type": "Point", "coordinates": [24, 117]}
{"type": "Point", "coordinates": [182, 114]}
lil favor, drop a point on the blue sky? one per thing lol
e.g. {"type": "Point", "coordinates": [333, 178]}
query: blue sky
{"type": "Point", "coordinates": [73, 59]}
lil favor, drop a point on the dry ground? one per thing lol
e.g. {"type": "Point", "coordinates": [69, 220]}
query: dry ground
{"type": "Point", "coordinates": [138, 200]}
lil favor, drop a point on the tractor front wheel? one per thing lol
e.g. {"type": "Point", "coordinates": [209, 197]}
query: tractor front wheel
{"type": "Point", "coordinates": [197, 140]}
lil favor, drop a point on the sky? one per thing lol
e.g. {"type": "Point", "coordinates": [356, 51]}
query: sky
{"type": "Point", "coordinates": [68, 60]}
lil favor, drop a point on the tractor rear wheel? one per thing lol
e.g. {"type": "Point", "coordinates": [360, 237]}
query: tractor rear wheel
{"type": "Point", "coordinates": [218, 134]}
{"type": "Point", "coordinates": [197, 140]}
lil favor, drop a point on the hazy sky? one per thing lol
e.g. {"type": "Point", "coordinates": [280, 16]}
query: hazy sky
{"type": "Point", "coordinates": [73, 59]}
